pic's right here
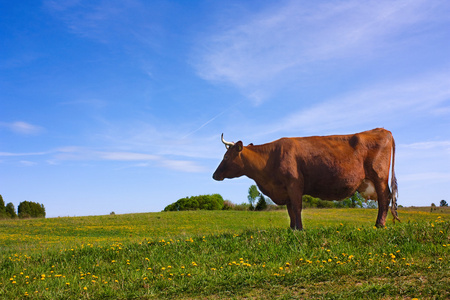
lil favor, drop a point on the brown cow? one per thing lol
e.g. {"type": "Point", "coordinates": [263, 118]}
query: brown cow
{"type": "Point", "coordinates": [329, 167]}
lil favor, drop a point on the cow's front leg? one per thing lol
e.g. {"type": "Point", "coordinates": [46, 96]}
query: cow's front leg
{"type": "Point", "coordinates": [295, 208]}
{"type": "Point", "coordinates": [291, 215]}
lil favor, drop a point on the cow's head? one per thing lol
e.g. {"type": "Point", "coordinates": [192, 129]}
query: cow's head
{"type": "Point", "coordinates": [231, 165]}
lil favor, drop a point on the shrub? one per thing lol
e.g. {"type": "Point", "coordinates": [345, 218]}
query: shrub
{"type": "Point", "coordinates": [205, 202]}
{"type": "Point", "coordinates": [242, 206]}
{"type": "Point", "coordinates": [228, 205]}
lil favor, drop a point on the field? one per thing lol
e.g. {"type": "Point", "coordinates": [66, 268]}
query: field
{"type": "Point", "coordinates": [228, 254]}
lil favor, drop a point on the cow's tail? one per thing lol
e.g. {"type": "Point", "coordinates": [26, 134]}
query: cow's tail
{"type": "Point", "coordinates": [394, 187]}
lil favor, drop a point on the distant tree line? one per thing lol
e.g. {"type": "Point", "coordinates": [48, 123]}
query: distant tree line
{"type": "Point", "coordinates": [216, 202]}
{"type": "Point", "coordinates": [26, 209]}
{"type": "Point", "coordinates": [355, 201]}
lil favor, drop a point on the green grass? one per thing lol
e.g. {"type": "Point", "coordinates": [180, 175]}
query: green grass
{"type": "Point", "coordinates": [227, 254]}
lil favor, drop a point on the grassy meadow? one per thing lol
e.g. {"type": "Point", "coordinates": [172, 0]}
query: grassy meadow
{"type": "Point", "coordinates": [227, 254]}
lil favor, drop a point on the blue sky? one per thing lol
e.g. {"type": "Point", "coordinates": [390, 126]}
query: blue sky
{"type": "Point", "coordinates": [119, 105]}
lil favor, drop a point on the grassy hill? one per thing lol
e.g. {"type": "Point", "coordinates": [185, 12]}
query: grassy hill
{"type": "Point", "coordinates": [227, 254]}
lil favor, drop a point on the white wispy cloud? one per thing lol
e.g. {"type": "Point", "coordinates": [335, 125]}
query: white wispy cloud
{"type": "Point", "coordinates": [183, 166]}
{"type": "Point", "coordinates": [91, 103]}
{"type": "Point", "coordinates": [429, 145]}
{"type": "Point", "coordinates": [372, 106]}
{"type": "Point", "coordinates": [23, 154]}
{"type": "Point", "coordinates": [110, 21]}
{"type": "Point", "coordinates": [22, 127]}
{"type": "Point", "coordinates": [138, 159]}
{"type": "Point", "coordinates": [429, 176]}
{"type": "Point", "coordinates": [264, 49]}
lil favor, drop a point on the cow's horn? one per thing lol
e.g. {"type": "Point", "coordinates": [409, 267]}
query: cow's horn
{"type": "Point", "coordinates": [227, 144]}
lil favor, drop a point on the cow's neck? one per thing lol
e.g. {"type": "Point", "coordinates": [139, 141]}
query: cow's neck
{"type": "Point", "coordinates": [255, 160]}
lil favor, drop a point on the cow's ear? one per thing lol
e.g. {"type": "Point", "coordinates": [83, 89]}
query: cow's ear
{"type": "Point", "coordinates": [239, 146]}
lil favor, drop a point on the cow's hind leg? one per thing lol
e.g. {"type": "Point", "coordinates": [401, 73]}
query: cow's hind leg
{"type": "Point", "coordinates": [383, 203]}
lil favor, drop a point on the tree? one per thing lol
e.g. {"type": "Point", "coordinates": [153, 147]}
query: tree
{"type": "Point", "coordinates": [443, 203]}
{"type": "Point", "coordinates": [433, 207]}
{"type": "Point", "coordinates": [357, 200]}
{"type": "Point", "coordinates": [2, 208]}
{"type": "Point", "coordinates": [371, 204]}
{"type": "Point", "coordinates": [28, 209]}
{"type": "Point", "coordinates": [262, 204]}
{"type": "Point", "coordinates": [253, 193]}
{"type": "Point", "coordinates": [10, 211]}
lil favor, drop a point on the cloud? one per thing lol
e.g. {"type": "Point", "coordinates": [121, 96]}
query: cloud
{"type": "Point", "coordinates": [91, 103]}
{"type": "Point", "coordinates": [23, 128]}
{"type": "Point", "coordinates": [428, 176]}
{"type": "Point", "coordinates": [264, 50]}
{"type": "Point", "coordinates": [28, 163]}
{"type": "Point", "coordinates": [374, 105]}
{"type": "Point", "coordinates": [116, 22]}
{"type": "Point", "coordinates": [183, 165]}
{"type": "Point", "coordinates": [23, 154]}
{"type": "Point", "coordinates": [428, 145]}
{"type": "Point", "coordinates": [126, 156]}
{"type": "Point", "coordinates": [138, 159]}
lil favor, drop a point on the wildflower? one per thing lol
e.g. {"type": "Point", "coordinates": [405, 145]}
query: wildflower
{"type": "Point", "coordinates": [85, 288]}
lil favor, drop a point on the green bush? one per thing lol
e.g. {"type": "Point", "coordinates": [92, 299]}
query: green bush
{"type": "Point", "coordinates": [205, 202]}
{"type": "Point", "coordinates": [28, 209]}
{"type": "Point", "coordinates": [228, 205]}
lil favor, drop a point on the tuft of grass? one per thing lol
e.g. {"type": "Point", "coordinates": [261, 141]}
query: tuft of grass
{"type": "Point", "coordinates": [226, 255]}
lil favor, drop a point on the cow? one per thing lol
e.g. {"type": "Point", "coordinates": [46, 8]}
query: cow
{"type": "Point", "coordinates": [328, 167]}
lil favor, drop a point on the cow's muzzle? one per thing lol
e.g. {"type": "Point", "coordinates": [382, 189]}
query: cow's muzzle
{"type": "Point", "coordinates": [217, 177]}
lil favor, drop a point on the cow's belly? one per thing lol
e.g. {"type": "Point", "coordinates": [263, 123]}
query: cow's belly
{"type": "Point", "coordinates": [333, 188]}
